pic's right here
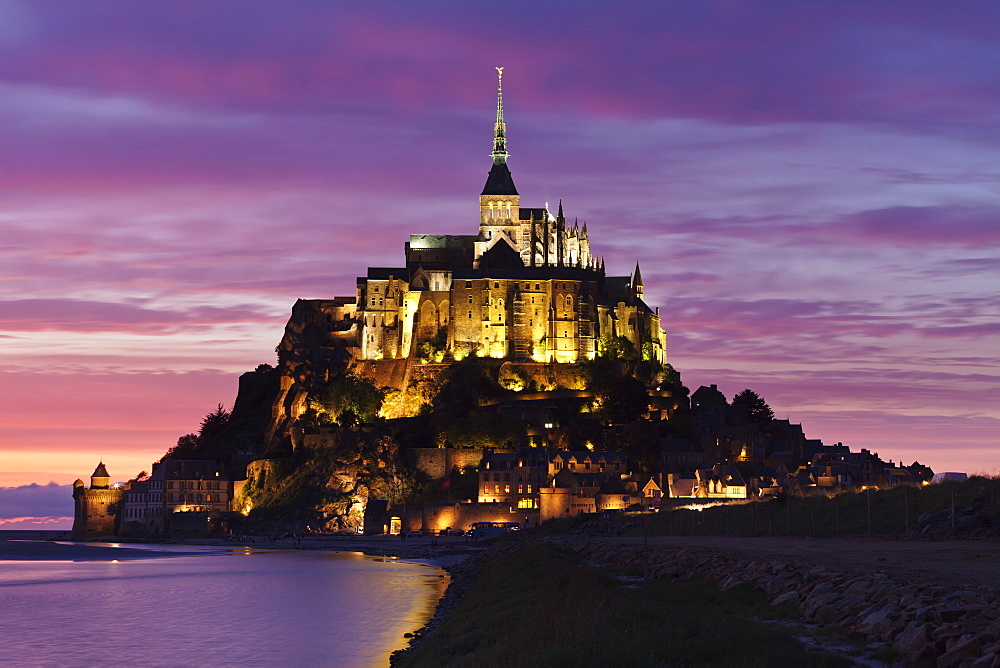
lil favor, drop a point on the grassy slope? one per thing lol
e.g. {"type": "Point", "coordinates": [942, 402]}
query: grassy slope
{"type": "Point", "coordinates": [544, 607]}
{"type": "Point", "coordinates": [846, 514]}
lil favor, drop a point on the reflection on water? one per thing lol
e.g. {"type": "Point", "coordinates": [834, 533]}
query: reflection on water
{"type": "Point", "coordinates": [291, 608]}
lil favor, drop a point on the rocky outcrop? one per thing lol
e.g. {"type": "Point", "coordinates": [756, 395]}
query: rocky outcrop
{"type": "Point", "coordinates": [317, 343]}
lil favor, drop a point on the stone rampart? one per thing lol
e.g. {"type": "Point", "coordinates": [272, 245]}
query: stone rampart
{"type": "Point", "coordinates": [438, 516]}
{"type": "Point", "coordinates": [437, 463]}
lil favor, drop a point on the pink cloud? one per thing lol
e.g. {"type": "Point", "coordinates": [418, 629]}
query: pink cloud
{"type": "Point", "coordinates": [35, 315]}
{"type": "Point", "coordinates": [910, 226]}
{"type": "Point", "coordinates": [808, 188]}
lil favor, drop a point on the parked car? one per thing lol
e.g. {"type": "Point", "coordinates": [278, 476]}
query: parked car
{"type": "Point", "coordinates": [414, 534]}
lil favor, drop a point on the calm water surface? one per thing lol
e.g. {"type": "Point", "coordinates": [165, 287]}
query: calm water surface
{"type": "Point", "coordinates": [259, 608]}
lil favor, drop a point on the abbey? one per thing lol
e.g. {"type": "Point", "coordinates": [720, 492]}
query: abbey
{"type": "Point", "coordinates": [526, 286]}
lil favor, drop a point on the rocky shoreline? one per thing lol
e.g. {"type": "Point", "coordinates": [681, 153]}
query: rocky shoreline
{"type": "Point", "coordinates": [924, 621]}
{"type": "Point", "coordinates": [921, 621]}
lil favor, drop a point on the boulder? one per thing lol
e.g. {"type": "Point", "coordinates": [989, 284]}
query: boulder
{"type": "Point", "coordinates": [788, 598]}
{"type": "Point", "coordinates": [914, 643]}
{"type": "Point", "coordinates": [968, 648]}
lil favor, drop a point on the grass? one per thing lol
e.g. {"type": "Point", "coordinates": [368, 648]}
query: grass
{"type": "Point", "coordinates": [846, 514]}
{"type": "Point", "coordinates": [541, 606]}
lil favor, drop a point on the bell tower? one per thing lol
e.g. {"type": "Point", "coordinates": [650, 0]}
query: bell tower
{"type": "Point", "coordinates": [499, 203]}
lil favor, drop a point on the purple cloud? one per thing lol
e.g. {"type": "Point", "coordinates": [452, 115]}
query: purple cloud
{"type": "Point", "coordinates": [809, 189]}
{"type": "Point", "coordinates": [36, 501]}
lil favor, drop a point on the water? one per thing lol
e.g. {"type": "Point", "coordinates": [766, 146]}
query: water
{"type": "Point", "coordinates": [250, 608]}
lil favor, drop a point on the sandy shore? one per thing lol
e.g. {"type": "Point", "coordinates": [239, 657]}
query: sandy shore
{"type": "Point", "coordinates": [438, 551]}
{"type": "Point", "coordinates": [43, 550]}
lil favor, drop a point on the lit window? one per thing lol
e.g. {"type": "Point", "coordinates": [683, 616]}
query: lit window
{"type": "Point", "coordinates": [529, 489]}
{"type": "Point", "coordinates": [506, 489]}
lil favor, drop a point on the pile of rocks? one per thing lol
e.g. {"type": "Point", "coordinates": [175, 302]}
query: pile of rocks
{"type": "Point", "coordinates": [972, 522]}
{"type": "Point", "coordinates": [928, 622]}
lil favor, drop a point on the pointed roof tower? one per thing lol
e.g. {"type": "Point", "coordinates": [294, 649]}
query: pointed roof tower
{"type": "Point", "coordinates": [499, 182]}
{"type": "Point", "coordinates": [637, 281]}
{"type": "Point", "coordinates": [100, 478]}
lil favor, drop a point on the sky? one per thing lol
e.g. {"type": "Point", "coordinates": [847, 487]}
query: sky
{"type": "Point", "coordinates": [811, 190]}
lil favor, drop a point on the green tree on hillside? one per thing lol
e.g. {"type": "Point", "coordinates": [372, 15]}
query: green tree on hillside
{"type": "Point", "coordinates": [208, 443]}
{"type": "Point", "coordinates": [757, 409]}
{"type": "Point", "coordinates": [617, 348]}
{"type": "Point", "coordinates": [619, 399]}
{"type": "Point", "coordinates": [350, 397]}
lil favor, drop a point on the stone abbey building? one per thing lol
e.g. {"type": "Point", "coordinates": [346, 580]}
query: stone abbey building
{"type": "Point", "coordinates": [525, 286]}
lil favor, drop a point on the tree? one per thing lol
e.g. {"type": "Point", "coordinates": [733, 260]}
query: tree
{"type": "Point", "coordinates": [757, 409]}
{"type": "Point", "coordinates": [208, 443]}
{"type": "Point", "coordinates": [619, 399]}
{"type": "Point", "coordinates": [188, 447]}
{"type": "Point", "coordinates": [617, 348]}
{"type": "Point", "coordinates": [213, 424]}
{"type": "Point", "coordinates": [350, 393]}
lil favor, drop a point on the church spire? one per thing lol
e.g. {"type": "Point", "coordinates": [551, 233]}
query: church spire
{"type": "Point", "coordinates": [637, 281]}
{"type": "Point", "coordinates": [499, 181]}
{"type": "Point", "coordinates": [499, 130]}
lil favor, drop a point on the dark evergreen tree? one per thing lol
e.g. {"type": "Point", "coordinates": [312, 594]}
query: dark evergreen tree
{"type": "Point", "coordinates": [757, 409]}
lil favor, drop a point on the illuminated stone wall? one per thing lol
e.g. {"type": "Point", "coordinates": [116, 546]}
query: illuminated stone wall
{"type": "Point", "coordinates": [461, 515]}
{"type": "Point", "coordinates": [95, 512]}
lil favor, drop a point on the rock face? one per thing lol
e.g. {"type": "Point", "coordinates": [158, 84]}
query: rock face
{"type": "Point", "coordinates": [316, 344]}
{"type": "Point", "coordinates": [924, 622]}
